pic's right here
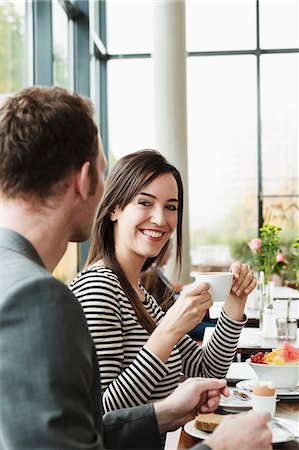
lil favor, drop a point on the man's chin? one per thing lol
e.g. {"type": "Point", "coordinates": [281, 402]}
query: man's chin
{"type": "Point", "coordinates": [79, 238]}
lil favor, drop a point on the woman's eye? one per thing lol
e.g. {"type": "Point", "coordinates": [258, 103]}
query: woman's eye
{"type": "Point", "coordinates": [144, 203]}
{"type": "Point", "coordinates": [172, 207]}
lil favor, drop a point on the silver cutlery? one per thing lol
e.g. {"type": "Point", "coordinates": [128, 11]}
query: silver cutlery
{"type": "Point", "coordinates": [241, 395]}
{"type": "Point", "coordinates": [278, 424]}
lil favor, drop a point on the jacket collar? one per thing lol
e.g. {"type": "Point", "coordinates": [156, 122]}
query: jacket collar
{"type": "Point", "coordinates": [9, 239]}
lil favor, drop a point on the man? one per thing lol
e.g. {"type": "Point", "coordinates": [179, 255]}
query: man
{"type": "Point", "coordinates": [51, 181]}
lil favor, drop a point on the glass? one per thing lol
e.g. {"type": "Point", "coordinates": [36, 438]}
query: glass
{"type": "Point", "coordinates": [14, 48]}
{"type": "Point", "coordinates": [282, 328]}
{"type": "Point", "coordinates": [222, 169]}
{"type": "Point", "coordinates": [60, 44]}
{"type": "Point", "coordinates": [279, 100]}
{"type": "Point", "coordinates": [68, 265]}
{"type": "Point", "coordinates": [220, 25]}
{"type": "Point", "coordinates": [129, 26]}
{"type": "Point", "coordinates": [292, 328]}
{"type": "Point", "coordinates": [130, 106]}
{"type": "Point", "coordinates": [279, 23]}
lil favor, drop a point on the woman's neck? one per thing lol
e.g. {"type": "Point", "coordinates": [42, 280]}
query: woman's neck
{"type": "Point", "coordinates": [131, 268]}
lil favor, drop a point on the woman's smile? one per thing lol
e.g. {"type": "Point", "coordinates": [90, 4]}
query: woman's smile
{"type": "Point", "coordinates": [153, 234]}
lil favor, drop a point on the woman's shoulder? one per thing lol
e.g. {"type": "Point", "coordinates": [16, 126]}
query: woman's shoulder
{"type": "Point", "coordinates": [94, 275]}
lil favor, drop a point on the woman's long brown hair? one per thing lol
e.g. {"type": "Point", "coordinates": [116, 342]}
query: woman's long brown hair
{"type": "Point", "coordinates": [128, 177]}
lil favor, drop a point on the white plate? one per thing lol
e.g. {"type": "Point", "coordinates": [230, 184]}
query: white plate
{"type": "Point", "coordinates": [282, 393]}
{"type": "Point", "coordinates": [233, 403]}
{"type": "Point", "coordinates": [278, 435]}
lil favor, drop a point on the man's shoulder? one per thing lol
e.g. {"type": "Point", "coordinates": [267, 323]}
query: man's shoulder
{"type": "Point", "coordinates": [18, 270]}
{"type": "Point", "coordinates": [36, 299]}
{"type": "Point", "coordinates": [26, 284]}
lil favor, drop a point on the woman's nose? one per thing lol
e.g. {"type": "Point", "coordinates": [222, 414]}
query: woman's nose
{"type": "Point", "coordinates": [158, 216]}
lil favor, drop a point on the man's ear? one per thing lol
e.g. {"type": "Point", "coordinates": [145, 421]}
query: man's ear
{"type": "Point", "coordinates": [83, 181]}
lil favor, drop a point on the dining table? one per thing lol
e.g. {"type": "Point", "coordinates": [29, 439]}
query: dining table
{"type": "Point", "coordinates": [251, 341]}
{"type": "Point", "coordinates": [287, 409]}
{"type": "Point", "coordinates": [283, 298]}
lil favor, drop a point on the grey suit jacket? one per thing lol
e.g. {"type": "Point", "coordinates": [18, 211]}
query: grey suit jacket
{"type": "Point", "coordinates": [49, 379]}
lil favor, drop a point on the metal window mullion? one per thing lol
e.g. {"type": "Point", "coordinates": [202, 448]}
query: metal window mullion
{"type": "Point", "coordinates": [42, 42]}
{"type": "Point", "coordinates": [259, 122]}
{"type": "Point", "coordinates": [81, 75]}
{"type": "Point", "coordinates": [81, 49]}
{"type": "Point", "coordinates": [29, 43]}
{"type": "Point", "coordinates": [103, 104]}
{"type": "Point", "coordinates": [71, 55]}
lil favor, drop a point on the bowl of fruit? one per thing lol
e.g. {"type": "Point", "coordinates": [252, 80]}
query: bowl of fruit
{"type": "Point", "coordinates": [280, 367]}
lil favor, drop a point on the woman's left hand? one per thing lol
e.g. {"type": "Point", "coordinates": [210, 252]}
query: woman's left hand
{"type": "Point", "coordinates": [243, 284]}
{"type": "Point", "coordinates": [243, 281]}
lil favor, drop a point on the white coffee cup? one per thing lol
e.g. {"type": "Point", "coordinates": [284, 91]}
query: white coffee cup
{"type": "Point", "coordinates": [220, 283]}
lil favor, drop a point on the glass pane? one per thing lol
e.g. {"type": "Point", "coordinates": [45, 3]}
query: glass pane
{"type": "Point", "coordinates": [222, 157]}
{"type": "Point", "coordinates": [14, 37]}
{"type": "Point", "coordinates": [68, 265]}
{"type": "Point", "coordinates": [279, 23]}
{"type": "Point", "coordinates": [60, 44]}
{"type": "Point", "coordinates": [130, 108]}
{"type": "Point", "coordinates": [280, 93]}
{"type": "Point", "coordinates": [129, 26]}
{"type": "Point", "coordinates": [220, 25]}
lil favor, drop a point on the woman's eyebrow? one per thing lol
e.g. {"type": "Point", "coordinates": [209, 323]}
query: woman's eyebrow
{"type": "Point", "coordinates": [153, 196]}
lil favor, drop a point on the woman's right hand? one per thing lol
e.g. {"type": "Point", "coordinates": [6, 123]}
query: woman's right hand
{"type": "Point", "coordinates": [188, 310]}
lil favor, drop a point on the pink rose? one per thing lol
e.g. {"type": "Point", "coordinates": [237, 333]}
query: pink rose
{"type": "Point", "coordinates": [281, 258]}
{"type": "Point", "coordinates": [255, 244]}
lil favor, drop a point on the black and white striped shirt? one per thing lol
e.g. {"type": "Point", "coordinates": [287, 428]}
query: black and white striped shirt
{"type": "Point", "coordinates": [131, 374]}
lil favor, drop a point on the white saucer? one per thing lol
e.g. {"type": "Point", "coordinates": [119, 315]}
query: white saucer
{"type": "Point", "coordinates": [233, 403]}
{"type": "Point", "coordinates": [285, 393]}
{"type": "Point", "coordinates": [278, 435]}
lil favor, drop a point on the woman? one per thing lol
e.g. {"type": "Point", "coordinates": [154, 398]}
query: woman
{"type": "Point", "coordinates": [142, 350]}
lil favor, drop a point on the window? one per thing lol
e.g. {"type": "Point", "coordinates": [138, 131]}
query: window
{"type": "Point", "coordinates": [242, 90]}
{"type": "Point", "coordinates": [60, 45]}
{"type": "Point", "coordinates": [213, 25]}
{"type": "Point", "coordinates": [280, 93]}
{"type": "Point", "coordinates": [15, 47]}
{"type": "Point", "coordinates": [242, 99]}
{"type": "Point", "coordinates": [129, 26]}
{"type": "Point", "coordinates": [130, 106]}
{"type": "Point", "coordinates": [62, 76]}
{"type": "Point", "coordinates": [279, 24]}
{"type": "Point", "coordinates": [221, 154]}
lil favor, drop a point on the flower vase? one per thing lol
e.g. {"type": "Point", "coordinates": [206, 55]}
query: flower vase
{"type": "Point", "coordinates": [261, 296]}
{"type": "Point", "coordinates": [265, 290]}
{"type": "Point", "coordinates": [253, 299]}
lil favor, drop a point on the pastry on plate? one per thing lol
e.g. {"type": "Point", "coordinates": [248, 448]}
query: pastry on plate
{"type": "Point", "coordinates": [207, 422]}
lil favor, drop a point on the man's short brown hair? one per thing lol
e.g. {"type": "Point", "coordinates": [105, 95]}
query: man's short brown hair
{"type": "Point", "coordinates": [45, 133]}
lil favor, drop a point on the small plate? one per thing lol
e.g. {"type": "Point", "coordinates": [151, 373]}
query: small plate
{"type": "Point", "coordinates": [286, 393]}
{"type": "Point", "coordinates": [278, 435]}
{"type": "Point", "coordinates": [199, 434]}
{"type": "Point", "coordinates": [282, 435]}
{"type": "Point", "coordinates": [233, 403]}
